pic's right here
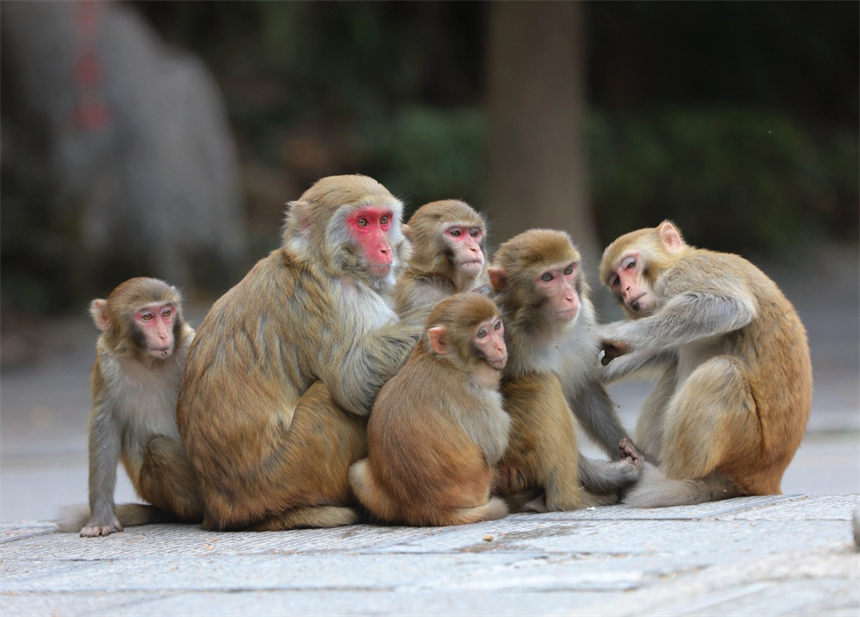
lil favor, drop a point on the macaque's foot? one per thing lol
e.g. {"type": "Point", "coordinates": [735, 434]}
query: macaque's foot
{"type": "Point", "coordinates": [94, 530]}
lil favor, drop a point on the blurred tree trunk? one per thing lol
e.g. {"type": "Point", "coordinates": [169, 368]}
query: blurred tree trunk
{"type": "Point", "coordinates": [537, 170]}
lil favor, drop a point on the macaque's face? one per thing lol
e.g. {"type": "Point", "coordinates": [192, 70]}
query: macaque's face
{"type": "Point", "coordinates": [557, 284]}
{"type": "Point", "coordinates": [464, 243]}
{"type": "Point", "coordinates": [154, 325]}
{"type": "Point", "coordinates": [368, 228]}
{"type": "Point", "coordinates": [489, 342]}
{"type": "Point", "coordinates": [628, 282]}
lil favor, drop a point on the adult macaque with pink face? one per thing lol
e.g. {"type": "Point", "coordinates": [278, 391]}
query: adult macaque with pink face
{"type": "Point", "coordinates": [448, 254]}
{"type": "Point", "coordinates": [286, 365]}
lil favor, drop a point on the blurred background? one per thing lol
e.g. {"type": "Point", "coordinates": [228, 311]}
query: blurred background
{"type": "Point", "coordinates": [163, 139]}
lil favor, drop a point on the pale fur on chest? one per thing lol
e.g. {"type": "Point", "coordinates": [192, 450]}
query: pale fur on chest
{"type": "Point", "coordinates": [366, 307]}
{"type": "Point", "coordinates": [486, 422]}
{"type": "Point", "coordinates": [144, 397]}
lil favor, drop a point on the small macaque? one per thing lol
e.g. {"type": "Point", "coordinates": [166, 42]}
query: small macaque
{"type": "Point", "coordinates": [437, 428]}
{"type": "Point", "coordinates": [540, 290]}
{"type": "Point", "coordinates": [286, 365]}
{"type": "Point", "coordinates": [734, 398]}
{"type": "Point", "coordinates": [448, 255]}
{"type": "Point", "coordinates": [134, 383]}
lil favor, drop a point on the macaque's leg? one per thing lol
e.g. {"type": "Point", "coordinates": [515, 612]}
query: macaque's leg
{"type": "Point", "coordinates": [711, 417]}
{"type": "Point", "coordinates": [167, 480]}
{"type": "Point", "coordinates": [494, 508]}
{"type": "Point", "coordinates": [650, 425]}
{"type": "Point", "coordinates": [310, 470]}
{"type": "Point", "coordinates": [310, 516]}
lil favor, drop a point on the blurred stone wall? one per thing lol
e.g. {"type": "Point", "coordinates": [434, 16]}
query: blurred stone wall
{"type": "Point", "coordinates": [117, 158]}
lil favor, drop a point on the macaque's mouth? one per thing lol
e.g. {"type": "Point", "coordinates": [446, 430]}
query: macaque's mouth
{"type": "Point", "coordinates": [636, 303]}
{"type": "Point", "coordinates": [498, 364]}
{"type": "Point", "coordinates": [568, 314]}
{"type": "Point", "coordinates": [471, 266]}
{"type": "Point", "coordinates": [379, 269]}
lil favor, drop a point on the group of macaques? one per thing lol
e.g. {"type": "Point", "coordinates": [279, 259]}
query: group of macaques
{"type": "Point", "coordinates": [369, 370]}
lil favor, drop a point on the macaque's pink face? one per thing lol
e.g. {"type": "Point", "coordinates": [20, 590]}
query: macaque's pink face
{"type": "Point", "coordinates": [489, 342]}
{"type": "Point", "coordinates": [369, 227]}
{"type": "Point", "coordinates": [630, 286]}
{"type": "Point", "coordinates": [464, 242]}
{"type": "Point", "coordinates": [155, 325]}
{"type": "Point", "coordinates": [558, 284]}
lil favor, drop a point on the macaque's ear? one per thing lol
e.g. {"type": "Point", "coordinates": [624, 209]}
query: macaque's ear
{"type": "Point", "coordinates": [297, 215]}
{"type": "Point", "coordinates": [438, 344]}
{"type": "Point", "coordinates": [671, 236]}
{"type": "Point", "coordinates": [98, 311]}
{"type": "Point", "coordinates": [406, 231]}
{"type": "Point", "coordinates": [497, 278]}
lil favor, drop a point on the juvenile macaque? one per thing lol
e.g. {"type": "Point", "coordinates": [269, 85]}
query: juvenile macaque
{"type": "Point", "coordinates": [286, 365]}
{"type": "Point", "coordinates": [437, 427]}
{"type": "Point", "coordinates": [731, 407]}
{"type": "Point", "coordinates": [448, 254]}
{"type": "Point", "coordinates": [540, 290]}
{"type": "Point", "coordinates": [134, 383]}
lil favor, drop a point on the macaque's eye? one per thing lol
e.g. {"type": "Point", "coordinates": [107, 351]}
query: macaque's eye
{"type": "Point", "coordinates": [166, 313]}
{"type": "Point", "coordinates": [546, 277]}
{"type": "Point", "coordinates": [455, 232]}
{"type": "Point", "coordinates": [628, 263]}
{"type": "Point", "coordinates": [614, 280]}
{"type": "Point", "coordinates": [570, 269]}
{"type": "Point", "coordinates": [475, 233]}
{"type": "Point", "coordinates": [146, 316]}
{"type": "Point", "coordinates": [361, 221]}
{"type": "Point", "coordinates": [498, 325]}
{"type": "Point", "coordinates": [482, 333]}
{"type": "Point", "coordinates": [384, 220]}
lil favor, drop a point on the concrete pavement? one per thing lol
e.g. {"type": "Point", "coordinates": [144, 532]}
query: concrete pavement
{"type": "Point", "coordinates": [781, 555]}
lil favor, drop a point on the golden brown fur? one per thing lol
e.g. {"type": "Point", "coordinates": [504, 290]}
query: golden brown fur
{"type": "Point", "coordinates": [732, 404]}
{"type": "Point", "coordinates": [288, 362]}
{"type": "Point", "coordinates": [437, 428]}
{"type": "Point", "coordinates": [434, 270]}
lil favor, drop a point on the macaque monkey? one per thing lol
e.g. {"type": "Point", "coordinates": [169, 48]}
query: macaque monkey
{"type": "Point", "coordinates": [437, 428]}
{"type": "Point", "coordinates": [286, 365]}
{"type": "Point", "coordinates": [731, 407]}
{"type": "Point", "coordinates": [448, 254]}
{"type": "Point", "coordinates": [539, 288]}
{"type": "Point", "coordinates": [134, 383]}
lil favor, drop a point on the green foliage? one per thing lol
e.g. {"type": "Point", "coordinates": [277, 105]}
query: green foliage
{"type": "Point", "coordinates": [735, 179]}
{"type": "Point", "coordinates": [426, 154]}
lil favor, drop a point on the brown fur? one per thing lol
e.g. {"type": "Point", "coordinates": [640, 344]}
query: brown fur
{"type": "Point", "coordinates": [432, 272]}
{"type": "Point", "coordinates": [736, 389]}
{"type": "Point", "coordinates": [286, 365]}
{"type": "Point", "coordinates": [542, 453]}
{"type": "Point", "coordinates": [436, 429]}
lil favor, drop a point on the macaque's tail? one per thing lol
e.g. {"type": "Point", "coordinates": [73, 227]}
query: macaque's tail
{"type": "Point", "coordinates": [73, 518]}
{"type": "Point", "coordinates": [655, 490]}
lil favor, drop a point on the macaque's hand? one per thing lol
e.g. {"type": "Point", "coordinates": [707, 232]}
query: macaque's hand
{"type": "Point", "coordinates": [611, 350]}
{"type": "Point", "coordinates": [629, 452]}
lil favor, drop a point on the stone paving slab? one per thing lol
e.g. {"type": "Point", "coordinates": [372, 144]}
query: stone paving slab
{"type": "Point", "coordinates": [779, 555]}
